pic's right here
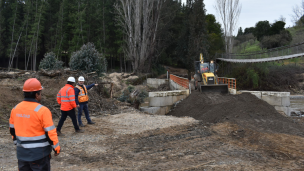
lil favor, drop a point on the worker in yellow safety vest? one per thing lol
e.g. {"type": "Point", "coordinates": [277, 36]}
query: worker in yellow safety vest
{"type": "Point", "coordinates": [33, 130]}
{"type": "Point", "coordinates": [82, 98]}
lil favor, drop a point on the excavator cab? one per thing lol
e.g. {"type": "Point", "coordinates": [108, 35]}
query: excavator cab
{"type": "Point", "coordinates": [205, 78]}
{"type": "Point", "coordinates": [205, 67]}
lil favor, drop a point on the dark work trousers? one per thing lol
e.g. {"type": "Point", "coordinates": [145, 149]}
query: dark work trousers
{"type": "Point", "coordinates": [71, 114]}
{"type": "Point", "coordinates": [84, 107]}
{"type": "Point", "coordinates": [38, 165]}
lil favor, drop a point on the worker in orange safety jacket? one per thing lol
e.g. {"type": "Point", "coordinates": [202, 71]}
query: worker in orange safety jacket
{"type": "Point", "coordinates": [66, 98]}
{"type": "Point", "coordinates": [32, 130]}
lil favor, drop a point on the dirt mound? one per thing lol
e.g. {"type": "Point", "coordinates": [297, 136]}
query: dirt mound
{"type": "Point", "coordinates": [244, 109]}
{"type": "Point", "coordinates": [99, 102]}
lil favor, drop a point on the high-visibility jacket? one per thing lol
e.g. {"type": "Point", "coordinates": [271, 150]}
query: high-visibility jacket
{"type": "Point", "coordinates": [66, 98]}
{"type": "Point", "coordinates": [83, 94]}
{"type": "Point", "coordinates": [33, 131]}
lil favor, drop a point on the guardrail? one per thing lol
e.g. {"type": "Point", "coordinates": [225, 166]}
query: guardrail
{"type": "Point", "coordinates": [230, 81]}
{"type": "Point", "coordinates": [184, 82]}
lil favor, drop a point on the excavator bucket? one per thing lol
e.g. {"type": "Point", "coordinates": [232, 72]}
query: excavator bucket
{"type": "Point", "coordinates": [222, 88]}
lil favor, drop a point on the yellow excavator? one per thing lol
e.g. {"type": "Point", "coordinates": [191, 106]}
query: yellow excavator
{"type": "Point", "coordinates": [205, 78]}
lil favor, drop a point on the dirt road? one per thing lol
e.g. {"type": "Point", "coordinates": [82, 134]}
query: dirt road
{"type": "Point", "coordinates": [136, 141]}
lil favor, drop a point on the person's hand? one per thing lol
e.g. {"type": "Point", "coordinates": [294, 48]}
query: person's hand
{"type": "Point", "coordinates": [78, 106]}
{"type": "Point", "coordinates": [57, 151]}
{"type": "Point", "coordinates": [96, 84]}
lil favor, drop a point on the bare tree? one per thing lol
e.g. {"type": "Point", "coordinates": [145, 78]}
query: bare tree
{"type": "Point", "coordinates": [282, 18]}
{"type": "Point", "coordinates": [298, 13]}
{"type": "Point", "coordinates": [139, 20]}
{"type": "Point", "coordinates": [13, 31]}
{"type": "Point", "coordinates": [229, 12]}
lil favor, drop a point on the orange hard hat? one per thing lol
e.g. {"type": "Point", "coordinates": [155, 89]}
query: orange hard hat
{"type": "Point", "coordinates": [31, 85]}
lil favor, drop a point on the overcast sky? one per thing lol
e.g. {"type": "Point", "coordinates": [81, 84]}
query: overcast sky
{"type": "Point", "coordinates": [259, 10]}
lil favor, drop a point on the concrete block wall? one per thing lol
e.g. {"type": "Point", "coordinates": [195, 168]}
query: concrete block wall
{"type": "Point", "coordinates": [174, 86]}
{"type": "Point", "coordinates": [280, 100]}
{"type": "Point", "coordinates": [154, 82]}
{"type": "Point", "coordinates": [161, 102]}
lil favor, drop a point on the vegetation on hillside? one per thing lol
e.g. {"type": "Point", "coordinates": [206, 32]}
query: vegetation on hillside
{"type": "Point", "coordinates": [276, 76]}
{"type": "Point", "coordinates": [266, 76]}
{"type": "Point", "coordinates": [176, 36]}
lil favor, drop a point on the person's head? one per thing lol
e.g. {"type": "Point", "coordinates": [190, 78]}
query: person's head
{"type": "Point", "coordinates": [81, 80]}
{"type": "Point", "coordinates": [32, 89]}
{"type": "Point", "coordinates": [71, 81]}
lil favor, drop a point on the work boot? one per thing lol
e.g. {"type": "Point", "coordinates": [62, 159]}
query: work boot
{"type": "Point", "coordinates": [80, 131]}
{"type": "Point", "coordinates": [81, 125]}
{"type": "Point", "coordinates": [59, 133]}
{"type": "Point", "coordinates": [91, 123]}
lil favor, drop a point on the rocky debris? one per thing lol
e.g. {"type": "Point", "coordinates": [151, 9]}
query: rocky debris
{"type": "Point", "coordinates": [297, 113]}
{"type": "Point", "coordinates": [164, 87]}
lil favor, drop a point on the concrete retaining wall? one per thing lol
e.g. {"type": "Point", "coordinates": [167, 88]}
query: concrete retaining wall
{"type": "Point", "coordinates": [161, 102]}
{"type": "Point", "coordinates": [232, 91]}
{"type": "Point", "coordinates": [280, 100]}
{"type": "Point", "coordinates": [154, 82]}
{"type": "Point", "coordinates": [175, 86]}
{"type": "Point", "coordinates": [178, 83]}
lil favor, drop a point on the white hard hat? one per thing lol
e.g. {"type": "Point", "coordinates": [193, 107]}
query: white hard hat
{"type": "Point", "coordinates": [71, 79]}
{"type": "Point", "coordinates": [81, 78]}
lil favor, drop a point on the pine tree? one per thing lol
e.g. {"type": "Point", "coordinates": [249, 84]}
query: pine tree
{"type": "Point", "coordinates": [215, 36]}
{"type": "Point", "coordinates": [194, 39]}
{"type": "Point", "coordinates": [1, 28]}
{"type": "Point", "coordinates": [240, 32]}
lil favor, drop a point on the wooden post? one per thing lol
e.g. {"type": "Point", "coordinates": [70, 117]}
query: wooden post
{"type": "Point", "coordinates": [111, 90]}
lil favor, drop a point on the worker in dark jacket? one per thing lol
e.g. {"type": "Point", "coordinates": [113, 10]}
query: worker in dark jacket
{"type": "Point", "coordinates": [82, 98]}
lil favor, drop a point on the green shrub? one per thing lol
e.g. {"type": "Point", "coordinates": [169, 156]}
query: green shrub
{"type": "Point", "coordinates": [253, 77]}
{"type": "Point", "coordinates": [142, 95]}
{"type": "Point", "coordinates": [282, 39]}
{"type": "Point", "coordinates": [88, 59]}
{"type": "Point", "coordinates": [125, 96]}
{"type": "Point", "coordinates": [50, 62]}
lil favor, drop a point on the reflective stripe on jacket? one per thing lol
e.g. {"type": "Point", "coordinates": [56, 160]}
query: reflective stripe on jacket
{"type": "Point", "coordinates": [83, 94]}
{"type": "Point", "coordinates": [66, 98]}
{"type": "Point", "coordinates": [33, 130]}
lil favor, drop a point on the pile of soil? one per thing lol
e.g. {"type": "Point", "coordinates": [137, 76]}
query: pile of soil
{"type": "Point", "coordinates": [244, 109]}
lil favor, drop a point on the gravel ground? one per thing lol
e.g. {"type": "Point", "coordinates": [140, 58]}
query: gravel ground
{"type": "Point", "coordinates": [137, 123]}
{"type": "Point", "coordinates": [106, 127]}
{"type": "Point", "coordinates": [137, 141]}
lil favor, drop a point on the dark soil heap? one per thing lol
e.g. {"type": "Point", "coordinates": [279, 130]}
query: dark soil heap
{"type": "Point", "coordinates": [244, 109]}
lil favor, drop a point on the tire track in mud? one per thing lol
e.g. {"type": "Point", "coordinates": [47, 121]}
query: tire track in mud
{"type": "Point", "coordinates": [179, 147]}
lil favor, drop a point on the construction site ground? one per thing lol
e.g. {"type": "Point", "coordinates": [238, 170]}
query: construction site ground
{"type": "Point", "coordinates": [203, 132]}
